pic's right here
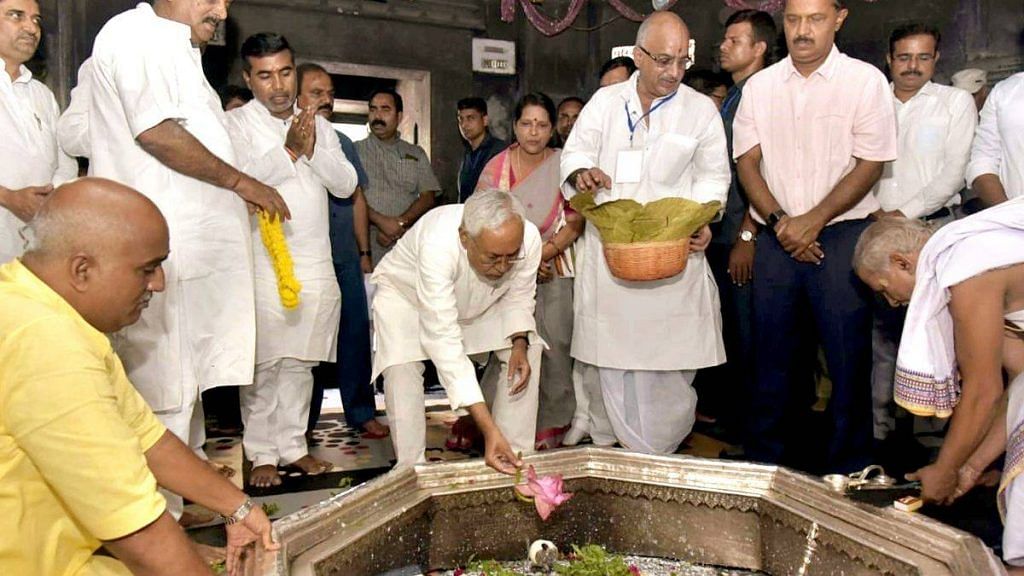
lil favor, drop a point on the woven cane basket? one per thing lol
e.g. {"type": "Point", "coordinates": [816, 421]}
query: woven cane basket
{"type": "Point", "coordinates": [645, 261]}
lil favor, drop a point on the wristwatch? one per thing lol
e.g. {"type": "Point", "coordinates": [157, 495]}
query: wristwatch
{"type": "Point", "coordinates": [521, 337]}
{"type": "Point", "coordinates": [239, 514]}
{"type": "Point", "coordinates": [748, 236]}
{"type": "Point", "coordinates": [364, 253]}
{"type": "Point", "coordinates": [401, 224]}
{"type": "Point", "coordinates": [775, 217]}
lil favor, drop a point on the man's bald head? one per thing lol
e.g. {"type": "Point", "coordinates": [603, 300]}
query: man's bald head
{"type": "Point", "coordinates": [99, 244]}
{"type": "Point", "coordinates": [663, 22]}
{"type": "Point", "coordinates": [91, 215]}
{"type": "Point", "coordinates": [661, 54]}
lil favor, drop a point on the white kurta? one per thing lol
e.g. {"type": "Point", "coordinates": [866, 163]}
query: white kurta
{"type": "Point", "coordinates": [935, 130]}
{"type": "Point", "coordinates": [431, 304]}
{"type": "Point", "coordinates": [310, 331]}
{"type": "Point", "coordinates": [29, 155]}
{"type": "Point", "coordinates": [671, 324]}
{"type": "Point", "coordinates": [73, 126]}
{"type": "Point", "coordinates": [998, 146]}
{"type": "Point", "coordinates": [201, 331]}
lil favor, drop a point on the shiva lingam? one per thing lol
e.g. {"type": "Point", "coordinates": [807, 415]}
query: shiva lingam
{"type": "Point", "coordinates": [711, 512]}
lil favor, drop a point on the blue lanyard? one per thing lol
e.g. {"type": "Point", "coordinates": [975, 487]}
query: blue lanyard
{"type": "Point", "coordinates": [632, 125]}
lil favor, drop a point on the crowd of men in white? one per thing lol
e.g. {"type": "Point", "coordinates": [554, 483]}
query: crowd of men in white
{"type": "Point", "coordinates": [819, 143]}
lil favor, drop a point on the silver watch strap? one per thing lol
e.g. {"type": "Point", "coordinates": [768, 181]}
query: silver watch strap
{"type": "Point", "coordinates": [239, 514]}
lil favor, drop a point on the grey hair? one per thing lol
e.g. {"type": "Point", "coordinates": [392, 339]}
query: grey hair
{"type": "Point", "coordinates": [489, 210]}
{"type": "Point", "coordinates": [56, 232]}
{"type": "Point", "coordinates": [885, 237]}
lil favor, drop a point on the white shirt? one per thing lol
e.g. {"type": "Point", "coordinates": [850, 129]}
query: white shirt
{"type": "Point", "coordinates": [935, 128]}
{"type": "Point", "coordinates": [73, 126]}
{"type": "Point", "coordinates": [201, 331]}
{"type": "Point", "coordinates": [309, 331]}
{"type": "Point", "coordinates": [29, 155]}
{"type": "Point", "coordinates": [999, 143]}
{"type": "Point", "coordinates": [431, 304]}
{"type": "Point", "coordinates": [672, 324]}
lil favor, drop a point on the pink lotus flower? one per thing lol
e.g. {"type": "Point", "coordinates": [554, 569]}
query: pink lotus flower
{"type": "Point", "coordinates": [546, 493]}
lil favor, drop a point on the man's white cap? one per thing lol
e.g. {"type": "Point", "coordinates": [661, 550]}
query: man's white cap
{"type": "Point", "coordinates": [971, 79]}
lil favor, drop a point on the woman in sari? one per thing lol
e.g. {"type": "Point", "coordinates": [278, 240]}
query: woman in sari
{"type": "Point", "coordinates": [529, 169]}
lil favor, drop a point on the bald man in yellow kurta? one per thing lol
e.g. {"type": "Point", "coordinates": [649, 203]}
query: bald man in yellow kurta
{"type": "Point", "coordinates": [80, 451]}
{"type": "Point", "coordinates": [73, 433]}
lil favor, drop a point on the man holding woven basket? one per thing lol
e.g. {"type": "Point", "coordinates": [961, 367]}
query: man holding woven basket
{"type": "Point", "coordinates": [638, 343]}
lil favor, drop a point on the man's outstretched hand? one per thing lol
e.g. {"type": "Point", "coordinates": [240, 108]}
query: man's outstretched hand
{"type": "Point", "coordinates": [254, 528]}
{"type": "Point", "coordinates": [499, 455]}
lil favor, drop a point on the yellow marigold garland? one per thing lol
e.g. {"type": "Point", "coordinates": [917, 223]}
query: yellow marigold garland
{"type": "Point", "coordinates": [272, 234]}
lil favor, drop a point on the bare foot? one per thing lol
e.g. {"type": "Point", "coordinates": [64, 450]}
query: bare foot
{"type": "Point", "coordinates": [189, 519]}
{"type": "Point", "coordinates": [375, 429]}
{"type": "Point", "coordinates": [264, 476]}
{"type": "Point", "coordinates": [210, 554]}
{"type": "Point", "coordinates": [311, 465]}
{"type": "Point", "coordinates": [222, 469]}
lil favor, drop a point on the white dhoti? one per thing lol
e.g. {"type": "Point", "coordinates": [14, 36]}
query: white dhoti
{"type": "Point", "coordinates": [1011, 489]}
{"type": "Point", "coordinates": [187, 422]}
{"type": "Point", "coordinates": [516, 416]}
{"type": "Point", "coordinates": [649, 411]}
{"type": "Point", "coordinates": [275, 410]}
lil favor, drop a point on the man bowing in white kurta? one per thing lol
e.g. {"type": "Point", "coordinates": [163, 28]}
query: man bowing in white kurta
{"type": "Point", "coordinates": [457, 287]}
{"type": "Point", "coordinates": [156, 125]}
{"type": "Point", "coordinates": [638, 344]}
{"type": "Point", "coordinates": [298, 154]}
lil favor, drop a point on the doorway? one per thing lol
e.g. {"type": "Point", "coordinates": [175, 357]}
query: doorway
{"type": "Point", "coordinates": [353, 84]}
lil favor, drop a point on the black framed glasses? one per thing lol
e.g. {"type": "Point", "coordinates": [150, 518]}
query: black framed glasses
{"type": "Point", "coordinates": [664, 60]}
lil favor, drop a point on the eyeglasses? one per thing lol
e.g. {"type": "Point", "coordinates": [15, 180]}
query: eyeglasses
{"type": "Point", "coordinates": [490, 261]}
{"type": "Point", "coordinates": [664, 60]}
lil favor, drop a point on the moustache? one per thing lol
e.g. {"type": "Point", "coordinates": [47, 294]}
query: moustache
{"type": "Point", "coordinates": [326, 108]}
{"type": "Point", "coordinates": [212, 21]}
{"type": "Point", "coordinates": [910, 73]}
{"type": "Point", "coordinates": [377, 123]}
{"type": "Point", "coordinates": [803, 40]}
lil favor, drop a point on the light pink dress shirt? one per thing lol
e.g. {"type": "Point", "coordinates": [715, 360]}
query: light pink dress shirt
{"type": "Point", "coordinates": [811, 129]}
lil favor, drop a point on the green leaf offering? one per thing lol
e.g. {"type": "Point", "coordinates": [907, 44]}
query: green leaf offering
{"type": "Point", "coordinates": [628, 221]}
{"type": "Point", "coordinates": [593, 560]}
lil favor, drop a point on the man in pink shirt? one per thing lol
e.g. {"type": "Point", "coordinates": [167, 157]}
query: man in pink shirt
{"type": "Point", "coordinates": [810, 138]}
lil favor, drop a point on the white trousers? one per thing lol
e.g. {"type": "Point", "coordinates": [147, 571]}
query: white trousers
{"type": "Point", "coordinates": [1013, 522]}
{"type": "Point", "coordinates": [581, 419]}
{"type": "Point", "coordinates": [516, 416]}
{"type": "Point", "coordinates": [275, 410]}
{"type": "Point", "coordinates": [645, 411]}
{"type": "Point", "coordinates": [188, 424]}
